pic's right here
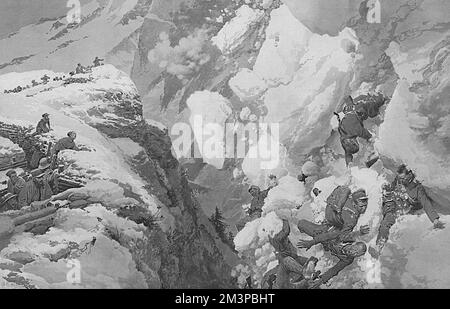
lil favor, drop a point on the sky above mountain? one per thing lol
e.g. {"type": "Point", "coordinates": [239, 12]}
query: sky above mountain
{"type": "Point", "coordinates": [15, 14]}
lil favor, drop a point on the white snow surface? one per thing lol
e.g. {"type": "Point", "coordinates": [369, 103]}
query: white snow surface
{"type": "Point", "coordinates": [8, 148]}
{"type": "Point", "coordinates": [247, 85]}
{"type": "Point", "coordinates": [68, 108]}
{"type": "Point", "coordinates": [209, 111]}
{"type": "Point", "coordinates": [234, 32]}
{"type": "Point", "coordinates": [99, 32]}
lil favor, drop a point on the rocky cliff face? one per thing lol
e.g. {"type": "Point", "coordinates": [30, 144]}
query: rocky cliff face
{"type": "Point", "coordinates": [136, 200]}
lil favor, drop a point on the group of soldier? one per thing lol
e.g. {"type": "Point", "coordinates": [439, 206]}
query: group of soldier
{"type": "Point", "coordinates": [336, 233]}
{"type": "Point", "coordinates": [80, 69]}
{"type": "Point", "coordinates": [46, 79]}
{"type": "Point", "coordinates": [39, 182]}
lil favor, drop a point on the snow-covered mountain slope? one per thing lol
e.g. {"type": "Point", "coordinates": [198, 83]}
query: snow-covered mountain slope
{"type": "Point", "coordinates": [286, 62]}
{"type": "Point", "coordinates": [106, 29]}
{"type": "Point", "coordinates": [129, 174]}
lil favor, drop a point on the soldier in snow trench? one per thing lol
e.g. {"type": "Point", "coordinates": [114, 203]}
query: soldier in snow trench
{"type": "Point", "coordinates": [16, 187]}
{"type": "Point", "coordinates": [63, 144]}
{"type": "Point", "coordinates": [45, 180]}
{"type": "Point", "coordinates": [43, 125]}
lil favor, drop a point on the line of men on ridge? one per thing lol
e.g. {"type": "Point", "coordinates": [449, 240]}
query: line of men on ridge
{"type": "Point", "coordinates": [45, 79]}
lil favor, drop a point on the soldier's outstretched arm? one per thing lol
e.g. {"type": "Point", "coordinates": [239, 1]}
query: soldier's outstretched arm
{"type": "Point", "coordinates": [427, 205]}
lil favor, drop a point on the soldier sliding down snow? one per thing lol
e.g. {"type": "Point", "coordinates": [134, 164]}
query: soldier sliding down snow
{"type": "Point", "coordinates": [351, 126]}
{"type": "Point", "coordinates": [405, 195]}
{"type": "Point", "coordinates": [336, 234]}
{"type": "Point", "coordinates": [289, 262]}
{"type": "Point", "coordinates": [341, 216]}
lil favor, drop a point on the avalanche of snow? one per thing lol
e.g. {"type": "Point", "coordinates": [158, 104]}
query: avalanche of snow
{"type": "Point", "coordinates": [417, 254]}
{"type": "Point", "coordinates": [209, 111]}
{"type": "Point", "coordinates": [289, 194]}
{"type": "Point", "coordinates": [427, 157]}
{"type": "Point", "coordinates": [234, 32]}
{"type": "Point", "coordinates": [184, 59]}
{"type": "Point", "coordinates": [281, 53]}
{"type": "Point", "coordinates": [247, 85]}
{"type": "Point", "coordinates": [290, 55]}
{"type": "Point", "coordinates": [256, 233]}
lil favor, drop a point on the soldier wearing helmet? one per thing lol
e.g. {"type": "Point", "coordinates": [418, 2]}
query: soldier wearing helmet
{"type": "Point", "coordinates": [350, 128]}
{"type": "Point", "coordinates": [343, 225]}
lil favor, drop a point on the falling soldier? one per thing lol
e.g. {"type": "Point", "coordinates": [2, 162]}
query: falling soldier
{"type": "Point", "coordinates": [405, 195]}
{"type": "Point", "coordinates": [336, 234]}
{"type": "Point", "coordinates": [341, 216]}
{"type": "Point", "coordinates": [352, 124]}
{"type": "Point", "coordinates": [289, 262]}
{"type": "Point", "coordinates": [347, 251]}
{"type": "Point", "coordinates": [350, 128]}
{"type": "Point", "coordinates": [257, 203]}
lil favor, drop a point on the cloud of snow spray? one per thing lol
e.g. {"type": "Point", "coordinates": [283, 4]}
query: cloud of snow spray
{"type": "Point", "coordinates": [183, 59]}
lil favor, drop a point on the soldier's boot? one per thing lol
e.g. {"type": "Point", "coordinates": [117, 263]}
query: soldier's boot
{"type": "Point", "coordinates": [438, 224]}
{"type": "Point", "coordinates": [310, 267]}
{"type": "Point", "coordinates": [372, 159]}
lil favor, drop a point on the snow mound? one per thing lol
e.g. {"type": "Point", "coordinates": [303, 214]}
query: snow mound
{"type": "Point", "coordinates": [417, 254]}
{"type": "Point", "coordinates": [234, 32]}
{"type": "Point", "coordinates": [8, 148]}
{"type": "Point", "coordinates": [256, 232]}
{"type": "Point", "coordinates": [44, 259]}
{"type": "Point", "coordinates": [247, 85]}
{"type": "Point", "coordinates": [285, 44]}
{"type": "Point", "coordinates": [289, 194]}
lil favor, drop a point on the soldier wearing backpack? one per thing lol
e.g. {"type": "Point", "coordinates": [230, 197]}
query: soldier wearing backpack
{"type": "Point", "coordinates": [341, 216]}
